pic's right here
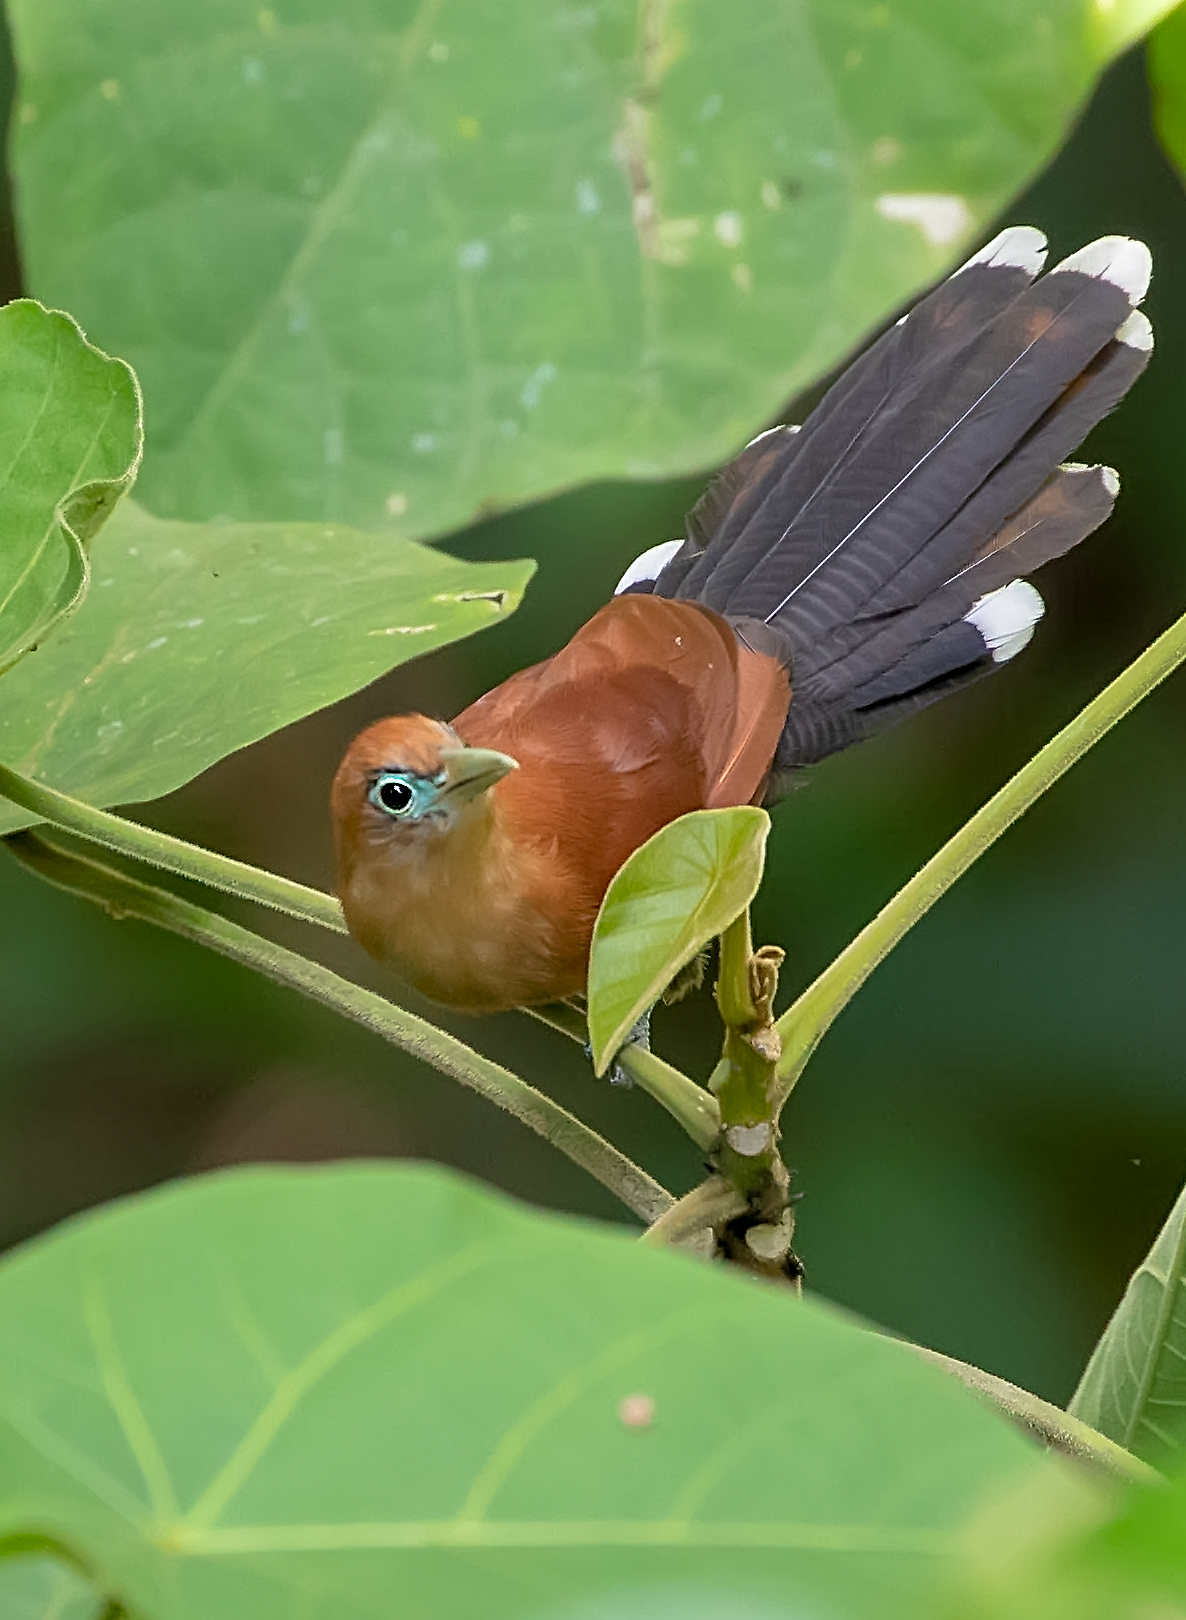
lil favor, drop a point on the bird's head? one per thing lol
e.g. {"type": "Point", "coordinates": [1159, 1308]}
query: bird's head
{"type": "Point", "coordinates": [409, 779]}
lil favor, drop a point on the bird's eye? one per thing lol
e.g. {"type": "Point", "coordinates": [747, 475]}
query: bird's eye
{"type": "Point", "coordinates": [393, 794]}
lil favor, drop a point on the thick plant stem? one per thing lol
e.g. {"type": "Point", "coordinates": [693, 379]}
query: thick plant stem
{"type": "Point", "coordinates": [126, 897]}
{"type": "Point", "coordinates": [747, 1153]}
{"type": "Point", "coordinates": [694, 1108]}
{"type": "Point", "coordinates": [804, 1024]}
{"type": "Point", "coordinates": [1045, 1422]}
{"type": "Point", "coordinates": [172, 854]}
{"type": "Point", "coordinates": [706, 1206]}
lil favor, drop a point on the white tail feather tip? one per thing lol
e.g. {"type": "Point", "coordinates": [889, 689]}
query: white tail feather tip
{"type": "Point", "coordinates": [1020, 246]}
{"type": "Point", "coordinates": [783, 427]}
{"type": "Point", "coordinates": [1119, 259]}
{"type": "Point", "coordinates": [649, 566]}
{"type": "Point", "coordinates": [1136, 332]}
{"type": "Point", "coordinates": [1108, 476]}
{"type": "Point", "coordinates": [1006, 618]}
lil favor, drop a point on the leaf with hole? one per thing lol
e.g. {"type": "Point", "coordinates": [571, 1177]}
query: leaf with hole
{"type": "Point", "coordinates": [299, 1391]}
{"type": "Point", "coordinates": [69, 446]}
{"type": "Point", "coordinates": [1134, 1387]}
{"type": "Point", "coordinates": [197, 639]}
{"type": "Point", "coordinates": [681, 889]}
{"type": "Point", "coordinates": [397, 263]}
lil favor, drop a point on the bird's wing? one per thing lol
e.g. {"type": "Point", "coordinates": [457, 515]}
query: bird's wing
{"type": "Point", "coordinates": [644, 679]}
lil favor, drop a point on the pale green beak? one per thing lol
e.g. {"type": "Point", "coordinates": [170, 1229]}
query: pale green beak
{"type": "Point", "coordinates": [470, 771]}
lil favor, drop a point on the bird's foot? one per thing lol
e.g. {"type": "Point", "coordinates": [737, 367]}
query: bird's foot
{"type": "Point", "coordinates": [640, 1035]}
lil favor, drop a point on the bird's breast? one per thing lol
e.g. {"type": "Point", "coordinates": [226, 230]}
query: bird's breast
{"type": "Point", "coordinates": [479, 934]}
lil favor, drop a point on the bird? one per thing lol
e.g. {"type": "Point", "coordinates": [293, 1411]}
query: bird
{"type": "Point", "coordinates": [835, 578]}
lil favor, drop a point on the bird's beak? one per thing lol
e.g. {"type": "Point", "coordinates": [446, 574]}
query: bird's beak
{"type": "Point", "coordinates": [470, 771]}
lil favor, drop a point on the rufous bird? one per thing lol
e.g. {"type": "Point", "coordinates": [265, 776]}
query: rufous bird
{"type": "Point", "coordinates": [834, 578]}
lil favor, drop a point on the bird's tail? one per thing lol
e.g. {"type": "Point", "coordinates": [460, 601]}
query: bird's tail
{"type": "Point", "coordinates": [880, 548]}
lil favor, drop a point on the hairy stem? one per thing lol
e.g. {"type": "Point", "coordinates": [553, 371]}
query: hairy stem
{"type": "Point", "coordinates": [172, 854]}
{"type": "Point", "coordinates": [687, 1102]}
{"type": "Point", "coordinates": [804, 1024]}
{"type": "Point", "coordinates": [713, 1201]}
{"type": "Point", "coordinates": [1045, 1422]}
{"type": "Point", "coordinates": [126, 897]}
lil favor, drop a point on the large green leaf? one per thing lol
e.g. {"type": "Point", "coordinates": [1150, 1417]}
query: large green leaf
{"type": "Point", "coordinates": [1134, 1386]}
{"type": "Point", "coordinates": [682, 888]}
{"type": "Point", "coordinates": [69, 444]}
{"type": "Point", "coordinates": [197, 639]}
{"type": "Point", "coordinates": [388, 261]}
{"type": "Point", "coordinates": [44, 1589]}
{"type": "Point", "coordinates": [1058, 1554]}
{"type": "Point", "coordinates": [356, 1392]}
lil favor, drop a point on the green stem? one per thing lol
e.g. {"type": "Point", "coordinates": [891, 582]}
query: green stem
{"type": "Point", "coordinates": [1045, 1422]}
{"type": "Point", "coordinates": [734, 995]}
{"type": "Point", "coordinates": [694, 1108]}
{"type": "Point", "coordinates": [681, 1096]}
{"type": "Point", "coordinates": [172, 854]}
{"type": "Point", "coordinates": [804, 1024]}
{"type": "Point", "coordinates": [126, 897]}
{"type": "Point", "coordinates": [705, 1206]}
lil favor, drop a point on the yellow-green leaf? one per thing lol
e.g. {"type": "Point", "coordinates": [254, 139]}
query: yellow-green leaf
{"type": "Point", "coordinates": [681, 889]}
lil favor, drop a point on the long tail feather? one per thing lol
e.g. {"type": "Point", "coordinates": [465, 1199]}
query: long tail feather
{"type": "Point", "coordinates": [927, 479]}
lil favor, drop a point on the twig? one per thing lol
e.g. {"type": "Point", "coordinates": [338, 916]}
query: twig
{"type": "Point", "coordinates": [172, 854]}
{"type": "Point", "coordinates": [708, 1204]}
{"type": "Point", "coordinates": [804, 1024]}
{"type": "Point", "coordinates": [694, 1108]}
{"type": "Point", "coordinates": [126, 897]}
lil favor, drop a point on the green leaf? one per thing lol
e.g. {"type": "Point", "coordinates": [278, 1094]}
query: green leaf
{"type": "Point", "coordinates": [682, 888]}
{"type": "Point", "coordinates": [389, 261]}
{"type": "Point", "coordinates": [301, 1391]}
{"type": "Point", "coordinates": [1167, 85]}
{"type": "Point", "coordinates": [44, 1589]}
{"type": "Point", "coordinates": [69, 445]}
{"type": "Point", "coordinates": [1134, 1387]}
{"type": "Point", "coordinates": [198, 639]}
{"type": "Point", "coordinates": [1054, 1552]}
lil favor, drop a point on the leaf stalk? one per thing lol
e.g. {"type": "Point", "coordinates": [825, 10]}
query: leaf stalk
{"type": "Point", "coordinates": [171, 854]}
{"type": "Point", "coordinates": [128, 897]}
{"type": "Point", "coordinates": [804, 1024]}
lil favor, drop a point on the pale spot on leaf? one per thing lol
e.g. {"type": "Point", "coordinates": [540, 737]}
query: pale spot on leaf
{"type": "Point", "coordinates": [727, 228]}
{"type": "Point", "coordinates": [940, 216]}
{"type": "Point", "coordinates": [637, 1411]}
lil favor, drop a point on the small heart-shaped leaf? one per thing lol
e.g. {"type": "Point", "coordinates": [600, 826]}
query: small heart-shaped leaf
{"type": "Point", "coordinates": [681, 889]}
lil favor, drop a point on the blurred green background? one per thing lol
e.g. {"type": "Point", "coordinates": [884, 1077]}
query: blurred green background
{"type": "Point", "coordinates": [991, 1135]}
